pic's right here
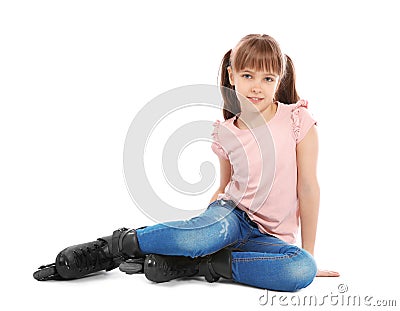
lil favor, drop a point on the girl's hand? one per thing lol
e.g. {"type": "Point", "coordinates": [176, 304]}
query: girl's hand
{"type": "Point", "coordinates": [327, 273]}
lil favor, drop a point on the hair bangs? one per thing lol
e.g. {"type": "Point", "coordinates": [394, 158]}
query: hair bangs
{"type": "Point", "coordinates": [258, 54]}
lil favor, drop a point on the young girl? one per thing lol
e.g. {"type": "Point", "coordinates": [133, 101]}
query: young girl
{"type": "Point", "coordinates": [267, 148]}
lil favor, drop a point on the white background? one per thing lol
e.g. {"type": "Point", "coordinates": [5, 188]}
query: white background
{"type": "Point", "coordinates": [73, 74]}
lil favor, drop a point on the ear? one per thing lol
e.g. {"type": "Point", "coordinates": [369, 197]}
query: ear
{"type": "Point", "coordinates": [230, 75]}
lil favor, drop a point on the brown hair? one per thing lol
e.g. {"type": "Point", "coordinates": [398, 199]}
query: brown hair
{"type": "Point", "coordinates": [258, 52]}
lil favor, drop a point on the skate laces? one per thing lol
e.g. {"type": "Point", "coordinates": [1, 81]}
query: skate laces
{"type": "Point", "coordinates": [90, 258]}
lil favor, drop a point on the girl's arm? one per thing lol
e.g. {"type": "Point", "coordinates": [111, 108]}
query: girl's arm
{"type": "Point", "coordinates": [308, 188]}
{"type": "Point", "coordinates": [225, 177]}
{"type": "Point", "coordinates": [308, 192]}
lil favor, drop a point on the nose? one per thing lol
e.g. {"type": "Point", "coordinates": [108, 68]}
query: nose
{"type": "Point", "coordinates": [256, 88]}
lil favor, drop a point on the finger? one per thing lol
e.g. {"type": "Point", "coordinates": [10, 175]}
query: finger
{"type": "Point", "coordinates": [327, 273]}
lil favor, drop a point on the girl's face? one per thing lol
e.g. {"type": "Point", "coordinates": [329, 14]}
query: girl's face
{"type": "Point", "coordinates": [255, 89]}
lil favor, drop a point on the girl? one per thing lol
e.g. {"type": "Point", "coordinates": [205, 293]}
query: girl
{"type": "Point", "coordinates": [267, 148]}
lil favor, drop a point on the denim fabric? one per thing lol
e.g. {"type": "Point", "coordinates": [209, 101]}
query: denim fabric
{"type": "Point", "coordinates": [258, 259]}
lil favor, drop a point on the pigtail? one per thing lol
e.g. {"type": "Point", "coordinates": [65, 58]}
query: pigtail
{"type": "Point", "coordinates": [231, 102]}
{"type": "Point", "coordinates": [287, 93]}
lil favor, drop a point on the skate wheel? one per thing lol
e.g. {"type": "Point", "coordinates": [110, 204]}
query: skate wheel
{"type": "Point", "coordinates": [132, 266]}
{"type": "Point", "coordinates": [46, 273]}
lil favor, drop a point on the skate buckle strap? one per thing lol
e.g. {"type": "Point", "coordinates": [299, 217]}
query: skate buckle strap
{"type": "Point", "coordinates": [211, 276]}
{"type": "Point", "coordinates": [115, 243]}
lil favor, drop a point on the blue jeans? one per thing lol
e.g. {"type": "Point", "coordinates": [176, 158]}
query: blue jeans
{"type": "Point", "coordinates": [258, 259]}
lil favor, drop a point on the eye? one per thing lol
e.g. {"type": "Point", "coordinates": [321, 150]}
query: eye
{"type": "Point", "coordinates": [269, 79]}
{"type": "Point", "coordinates": [246, 76]}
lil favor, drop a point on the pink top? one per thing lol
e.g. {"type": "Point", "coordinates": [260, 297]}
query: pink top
{"type": "Point", "coordinates": [264, 168]}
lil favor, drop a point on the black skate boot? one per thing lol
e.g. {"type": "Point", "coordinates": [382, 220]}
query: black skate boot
{"type": "Point", "coordinates": [161, 268]}
{"type": "Point", "coordinates": [105, 253]}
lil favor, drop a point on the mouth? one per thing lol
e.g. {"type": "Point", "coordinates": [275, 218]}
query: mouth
{"type": "Point", "coordinates": [255, 100]}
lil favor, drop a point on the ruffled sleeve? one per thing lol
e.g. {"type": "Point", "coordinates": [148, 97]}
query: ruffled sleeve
{"type": "Point", "coordinates": [302, 120]}
{"type": "Point", "coordinates": [216, 145]}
